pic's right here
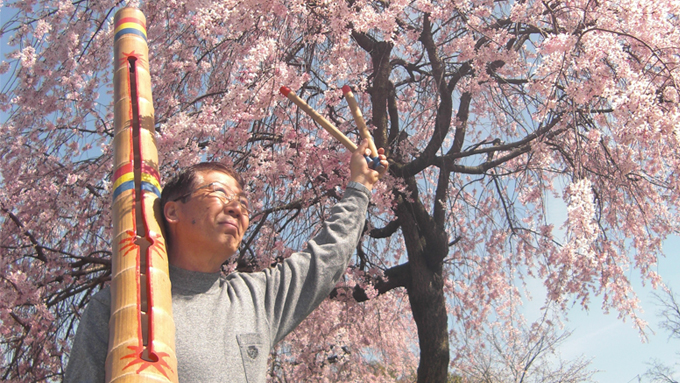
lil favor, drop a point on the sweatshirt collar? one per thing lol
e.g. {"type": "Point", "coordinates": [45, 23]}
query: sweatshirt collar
{"type": "Point", "coordinates": [185, 281]}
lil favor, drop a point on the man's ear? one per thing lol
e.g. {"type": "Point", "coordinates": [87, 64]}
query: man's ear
{"type": "Point", "coordinates": [170, 212]}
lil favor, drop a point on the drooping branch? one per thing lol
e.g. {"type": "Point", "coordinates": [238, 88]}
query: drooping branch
{"type": "Point", "coordinates": [40, 254]}
{"type": "Point", "coordinates": [514, 150]}
{"type": "Point", "coordinates": [393, 111]}
{"type": "Point", "coordinates": [486, 166]}
{"type": "Point", "coordinates": [461, 123]}
{"type": "Point", "coordinates": [397, 276]}
{"type": "Point", "coordinates": [439, 208]}
{"type": "Point", "coordinates": [425, 238]}
{"type": "Point", "coordinates": [365, 41]}
{"type": "Point", "coordinates": [381, 91]}
{"type": "Point", "coordinates": [386, 231]}
{"type": "Point", "coordinates": [444, 110]}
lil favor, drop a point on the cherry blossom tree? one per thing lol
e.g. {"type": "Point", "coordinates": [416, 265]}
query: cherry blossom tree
{"type": "Point", "coordinates": [488, 110]}
{"type": "Point", "coordinates": [669, 313]}
{"type": "Point", "coordinates": [659, 372]}
{"type": "Point", "coordinates": [525, 354]}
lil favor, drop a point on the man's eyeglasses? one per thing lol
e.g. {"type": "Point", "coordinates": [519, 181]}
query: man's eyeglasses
{"type": "Point", "coordinates": [221, 191]}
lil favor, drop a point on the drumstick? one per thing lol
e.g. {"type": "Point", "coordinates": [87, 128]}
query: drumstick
{"type": "Point", "coordinates": [359, 119]}
{"type": "Point", "coordinates": [330, 128]}
{"type": "Point", "coordinates": [373, 162]}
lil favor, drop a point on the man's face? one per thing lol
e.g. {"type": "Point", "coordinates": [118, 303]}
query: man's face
{"type": "Point", "coordinates": [205, 222]}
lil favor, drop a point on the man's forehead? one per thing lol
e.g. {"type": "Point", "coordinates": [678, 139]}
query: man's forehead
{"type": "Point", "coordinates": [207, 176]}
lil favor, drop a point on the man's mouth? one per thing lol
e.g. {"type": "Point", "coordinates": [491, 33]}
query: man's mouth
{"type": "Point", "coordinates": [229, 223]}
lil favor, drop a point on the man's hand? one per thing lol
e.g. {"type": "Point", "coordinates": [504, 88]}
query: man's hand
{"type": "Point", "coordinates": [359, 170]}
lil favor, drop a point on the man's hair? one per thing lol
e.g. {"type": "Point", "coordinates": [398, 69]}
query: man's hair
{"type": "Point", "coordinates": [185, 181]}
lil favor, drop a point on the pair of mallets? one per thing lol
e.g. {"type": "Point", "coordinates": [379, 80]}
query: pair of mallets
{"type": "Point", "coordinates": [373, 160]}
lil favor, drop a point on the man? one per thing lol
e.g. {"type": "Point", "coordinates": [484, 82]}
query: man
{"type": "Point", "coordinates": [226, 326]}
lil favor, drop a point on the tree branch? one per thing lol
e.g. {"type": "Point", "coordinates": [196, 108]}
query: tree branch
{"type": "Point", "coordinates": [386, 231]}
{"type": "Point", "coordinates": [397, 276]}
{"type": "Point", "coordinates": [444, 111]}
{"type": "Point", "coordinates": [38, 248]}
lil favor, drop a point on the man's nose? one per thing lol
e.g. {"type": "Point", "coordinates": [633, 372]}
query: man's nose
{"type": "Point", "coordinates": [233, 207]}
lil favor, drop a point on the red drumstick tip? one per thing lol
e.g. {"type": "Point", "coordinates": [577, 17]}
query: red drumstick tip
{"type": "Point", "coordinates": [284, 90]}
{"type": "Point", "coordinates": [346, 89]}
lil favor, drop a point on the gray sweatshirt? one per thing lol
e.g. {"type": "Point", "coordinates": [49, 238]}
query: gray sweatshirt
{"type": "Point", "coordinates": [226, 326]}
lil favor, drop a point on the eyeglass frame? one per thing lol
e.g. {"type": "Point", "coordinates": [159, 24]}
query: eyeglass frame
{"type": "Point", "coordinates": [226, 200]}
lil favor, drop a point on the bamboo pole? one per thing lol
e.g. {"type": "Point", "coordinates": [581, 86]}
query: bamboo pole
{"type": "Point", "coordinates": [141, 328]}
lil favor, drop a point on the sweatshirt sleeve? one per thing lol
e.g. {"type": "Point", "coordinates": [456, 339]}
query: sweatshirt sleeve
{"type": "Point", "coordinates": [300, 283]}
{"type": "Point", "coordinates": [88, 355]}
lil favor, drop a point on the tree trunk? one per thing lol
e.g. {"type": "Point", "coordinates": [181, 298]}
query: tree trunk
{"type": "Point", "coordinates": [426, 241]}
{"type": "Point", "coordinates": [428, 305]}
{"type": "Point", "coordinates": [426, 246]}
